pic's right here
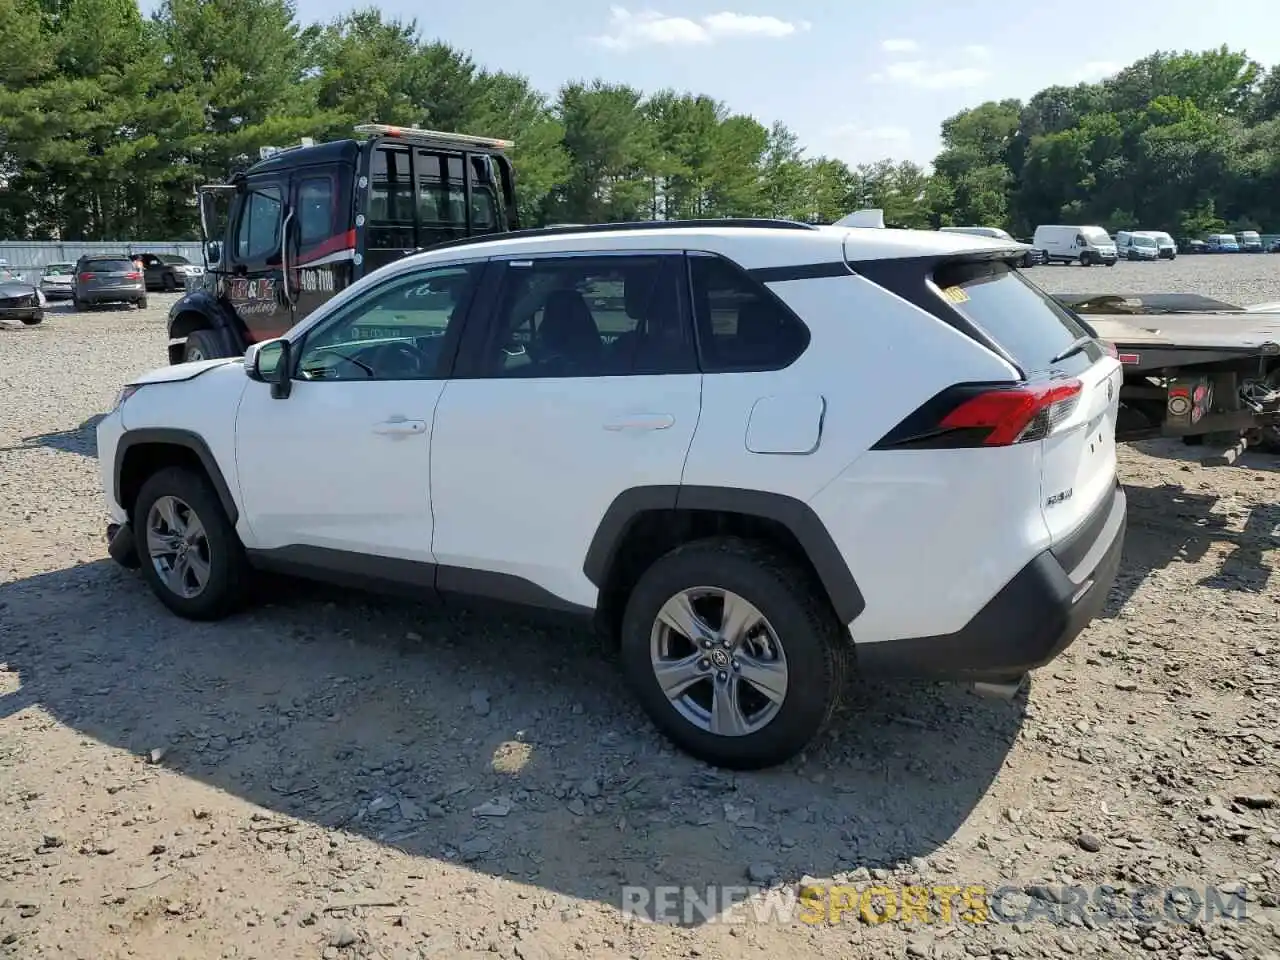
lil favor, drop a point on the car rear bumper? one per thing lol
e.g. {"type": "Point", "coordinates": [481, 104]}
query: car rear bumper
{"type": "Point", "coordinates": [113, 294]}
{"type": "Point", "coordinates": [1036, 616]}
{"type": "Point", "coordinates": [56, 293]}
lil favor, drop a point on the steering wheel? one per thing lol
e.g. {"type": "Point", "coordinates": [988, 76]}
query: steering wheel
{"type": "Point", "coordinates": [401, 359]}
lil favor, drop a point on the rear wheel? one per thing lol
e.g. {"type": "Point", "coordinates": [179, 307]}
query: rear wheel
{"type": "Point", "coordinates": [732, 652]}
{"type": "Point", "coordinates": [169, 283]}
{"type": "Point", "coordinates": [201, 345]}
{"type": "Point", "coordinates": [142, 303]}
{"type": "Point", "coordinates": [191, 557]}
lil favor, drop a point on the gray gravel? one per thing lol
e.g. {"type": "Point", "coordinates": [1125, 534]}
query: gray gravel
{"type": "Point", "coordinates": [334, 775]}
{"type": "Point", "coordinates": [1242, 279]}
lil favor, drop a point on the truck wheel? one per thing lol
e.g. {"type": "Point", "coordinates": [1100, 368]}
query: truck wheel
{"type": "Point", "coordinates": [201, 345]}
{"type": "Point", "coordinates": [733, 653]}
{"type": "Point", "coordinates": [191, 557]}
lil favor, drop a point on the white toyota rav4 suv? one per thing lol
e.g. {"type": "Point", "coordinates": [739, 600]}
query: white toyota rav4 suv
{"type": "Point", "coordinates": [758, 453]}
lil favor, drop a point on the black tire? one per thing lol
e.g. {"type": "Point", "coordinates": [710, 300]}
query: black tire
{"type": "Point", "coordinates": [142, 303]}
{"type": "Point", "coordinates": [225, 589]}
{"type": "Point", "coordinates": [33, 321]}
{"type": "Point", "coordinates": [200, 345]}
{"type": "Point", "coordinates": [1085, 260]}
{"type": "Point", "coordinates": [169, 283]}
{"type": "Point", "coordinates": [816, 650]}
{"type": "Point", "coordinates": [75, 303]}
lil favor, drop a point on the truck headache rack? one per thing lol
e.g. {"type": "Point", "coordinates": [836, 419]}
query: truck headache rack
{"type": "Point", "coordinates": [434, 136]}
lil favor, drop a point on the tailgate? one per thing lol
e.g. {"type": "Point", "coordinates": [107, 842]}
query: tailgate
{"type": "Point", "coordinates": [1049, 345]}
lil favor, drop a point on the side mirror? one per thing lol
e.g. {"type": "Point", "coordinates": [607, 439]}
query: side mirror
{"type": "Point", "coordinates": [269, 362]}
{"type": "Point", "coordinates": [213, 252]}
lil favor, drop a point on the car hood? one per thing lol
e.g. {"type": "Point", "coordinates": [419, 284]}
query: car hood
{"type": "Point", "coordinates": [15, 288]}
{"type": "Point", "coordinates": [178, 372]}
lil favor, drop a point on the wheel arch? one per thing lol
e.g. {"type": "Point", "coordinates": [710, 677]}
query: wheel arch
{"type": "Point", "coordinates": [200, 311]}
{"type": "Point", "coordinates": [642, 523]}
{"type": "Point", "coordinates": [141, 452]}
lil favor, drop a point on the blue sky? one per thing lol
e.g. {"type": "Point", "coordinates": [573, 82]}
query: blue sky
{"type": "Point", "coordinates": [856, 80]}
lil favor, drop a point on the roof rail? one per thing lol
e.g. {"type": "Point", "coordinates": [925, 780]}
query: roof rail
{"type": "Point", "coordinates": [561, 229]}
{"type": "Point", "coordinates": [462, 139]}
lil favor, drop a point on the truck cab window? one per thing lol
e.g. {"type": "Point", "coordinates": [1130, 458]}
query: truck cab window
{"type": "Point", "coordinates": [258, 235]}
{"type": "Point", "coordinates": [391, 187]}
{"type": "Point", "coordinates": [315, 210]}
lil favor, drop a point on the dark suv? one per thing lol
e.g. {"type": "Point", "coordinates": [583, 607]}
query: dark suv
{"type": "Point", "coordinates": [109, 278]}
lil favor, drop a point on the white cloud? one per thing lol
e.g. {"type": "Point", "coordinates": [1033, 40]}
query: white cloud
{"type": "Point", "coordinates": [927, 75]}
{"type": "Point", "coordinates": [1096, 70]}
{"type": "Point", "coordinates": [899, 46]}
{"type": "Point", "coordinates": [976, 51]}
{"type": "Point", "coordinates": [649, 27]}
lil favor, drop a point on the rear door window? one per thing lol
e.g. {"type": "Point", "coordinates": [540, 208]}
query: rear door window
{"type": "Point", "coordinates": [1028, 324]}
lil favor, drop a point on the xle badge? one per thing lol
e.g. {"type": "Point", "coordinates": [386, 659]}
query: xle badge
{"type": "Point", "coordinates": [1058, 498]}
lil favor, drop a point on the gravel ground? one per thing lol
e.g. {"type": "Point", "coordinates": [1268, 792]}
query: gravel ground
{"type": "Point", "coordinates": [337, 776]}
{"type": "Point", "coordinates": [1242, 279]}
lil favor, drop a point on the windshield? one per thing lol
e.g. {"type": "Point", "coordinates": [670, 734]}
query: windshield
{"type": "Point", "coordinates": [1249, 235]}
{"type": "Point", "coordinates": [171, 259]}
{"type": "Point", "coordinates": [59, 269]}
{"type": "Point", "coordinates": [1144, 242]}
{"type": "Point", "coordinates": [1096, 235]}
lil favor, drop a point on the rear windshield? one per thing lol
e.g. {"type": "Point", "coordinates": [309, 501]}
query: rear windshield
{"type": "Point", "coordinates": [109, 263]}
{"type": "Point", "coordinates": [58, 269]}
{"type": "Point", "coordinates": [1030, 326]}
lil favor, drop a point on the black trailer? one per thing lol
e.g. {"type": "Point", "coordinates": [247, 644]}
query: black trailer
{"type": "Point", "coordinates": [1196, 368]}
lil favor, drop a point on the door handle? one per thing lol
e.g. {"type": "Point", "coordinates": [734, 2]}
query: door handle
{"type": "Point", "coordinates": [642, 421]}
{"type": "Point", "coordinates": [400, 427]}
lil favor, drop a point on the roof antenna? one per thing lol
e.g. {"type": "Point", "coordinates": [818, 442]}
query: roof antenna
{"type": "Point", "coordinates": [872, 217]}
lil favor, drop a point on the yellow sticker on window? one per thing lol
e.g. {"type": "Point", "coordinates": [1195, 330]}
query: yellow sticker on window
{"type": "Point", "coordinates": [955, 294]}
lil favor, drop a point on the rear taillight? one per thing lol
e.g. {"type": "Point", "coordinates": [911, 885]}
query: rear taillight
{"type": "Point", "coordinates": [1016, 415]}
{"type": "Point", "coordinates": [133, 276]}
{"type": "Point", "coordinates": [87, 276]}
{"type": "Point", "coordinates": [986, 415]}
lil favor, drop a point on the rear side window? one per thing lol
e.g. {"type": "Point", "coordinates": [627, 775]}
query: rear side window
{"type": "Point", "coordinates": [1029, 325]}
{"type": "Point", "coordinates": [741, 325]}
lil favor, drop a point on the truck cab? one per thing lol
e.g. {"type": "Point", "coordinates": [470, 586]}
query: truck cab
{"type": "Point", "coordinates": [303, 223]}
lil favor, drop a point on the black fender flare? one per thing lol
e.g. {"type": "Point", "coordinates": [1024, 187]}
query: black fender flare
{"type": "Point", "coordinates": [218, 318]}
{"type": "Point", "coordinates": [186, 439]}
{"type": "Point", "coordinates": [795, 515]}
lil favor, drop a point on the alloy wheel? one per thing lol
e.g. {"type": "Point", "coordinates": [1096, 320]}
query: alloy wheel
{"type": "Point", "coordinates": [178, 546]}
{"type": "Point", "coordinates": [718, 661]}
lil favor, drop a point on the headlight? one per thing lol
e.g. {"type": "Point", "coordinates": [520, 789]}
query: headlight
{"type": "Point", "coordinates": [127, 391]}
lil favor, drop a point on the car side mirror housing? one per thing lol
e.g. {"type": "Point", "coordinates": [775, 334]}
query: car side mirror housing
{"type": "Point", "coordinates": [213, 251]}
{"type": "Point", "coordinates": [269, 362]}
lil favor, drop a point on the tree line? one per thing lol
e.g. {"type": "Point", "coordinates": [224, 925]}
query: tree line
{"type": "Point", "coordinates": [109, 120]}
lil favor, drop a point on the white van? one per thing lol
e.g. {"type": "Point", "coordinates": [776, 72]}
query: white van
{"type": "Point", "coordinates": [1082, 244]}
{"type": "Point", "coordinates": [1164, 243]}
{"type": "Point", "coordinates": [1137, 245]}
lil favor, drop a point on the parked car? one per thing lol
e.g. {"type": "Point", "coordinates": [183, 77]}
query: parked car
{"type": "Point", "coordinates": [107, 278]}
{"type": "Point", "coordinates": [748, 495]}
{"type": "Point", "coordinates": [168, 271]}
{"type": "Point", "coordinates": [56, 281]}
{"type": "Point", "coordinates": [1191, 245]}
{"type": "Point", "coordinates": [20, 299]}
{"type": "Point", "coordinates": [1250, 241]}
{"type": "Point", "coordinates": [1164, 243]}
{"type": "Point", "coordinates": [1030, 259]}
{"type": "Point", "coordinates": [1136, 245]}
{"type": "Point", "coordinates": [1221, 243]}
{"type": "Point", "coordinates": [1275, 247]}
{"type": "Point", "coordinates": [1071, 244]}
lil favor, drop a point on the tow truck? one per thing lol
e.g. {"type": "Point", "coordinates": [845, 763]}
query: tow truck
{"type": "Point", "coordinates": [306, 221]}
{"type": "Point", "coordinates": [1195, 367]}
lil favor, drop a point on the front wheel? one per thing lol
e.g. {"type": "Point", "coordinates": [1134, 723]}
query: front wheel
{"type": "Point", "coordinates": [1084, 260]}
{"type": "Point", "coordinates": [33, 321]}
{"type": "Point", "coordinates": [200, 345]}
{"type": "Point", "coordinates": [191, 556]}
{"type": "Point", "coordinates": [733, 653]}
{"type": "Point", "coordinates": [169, 283]}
